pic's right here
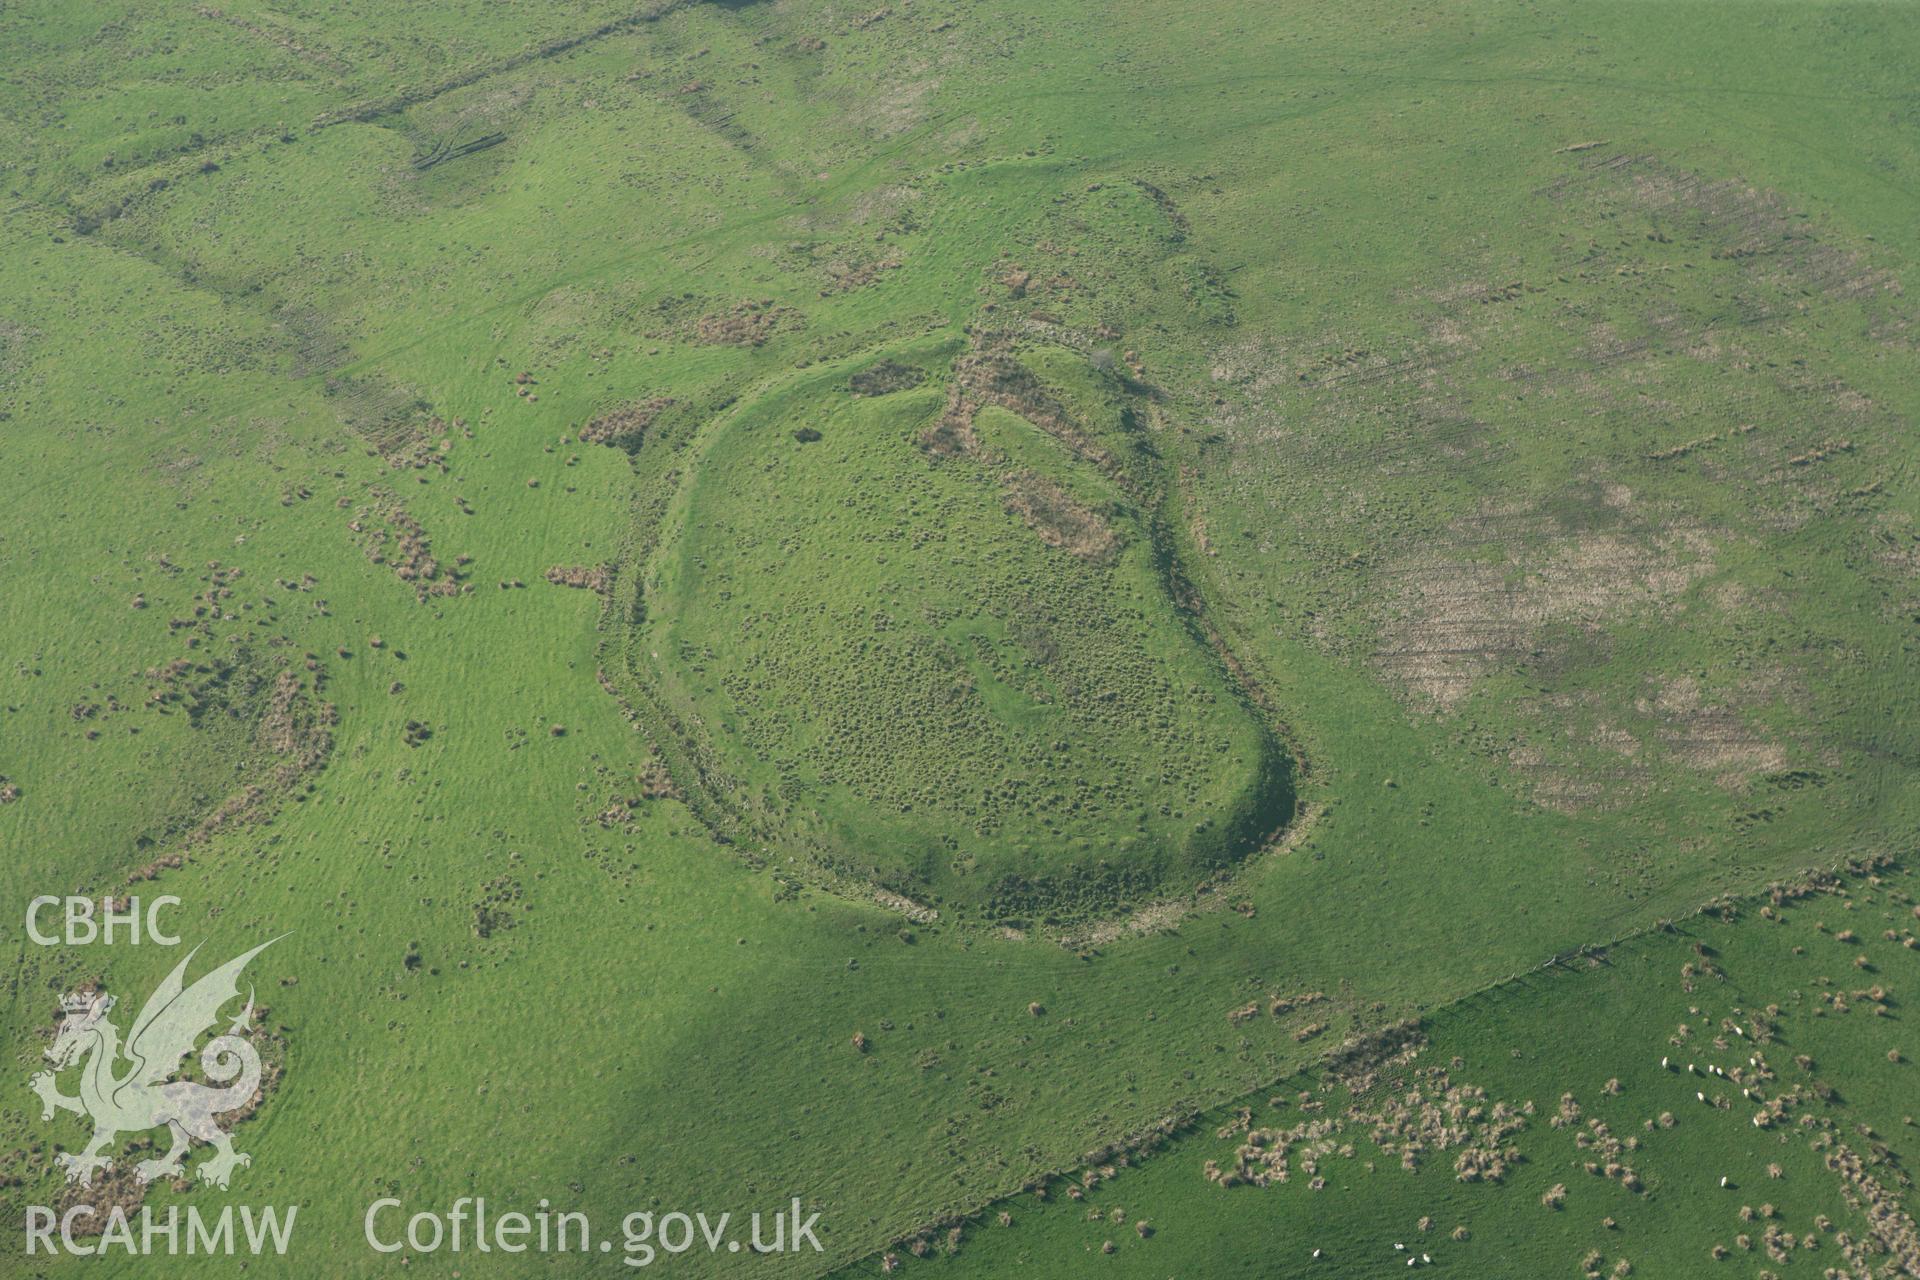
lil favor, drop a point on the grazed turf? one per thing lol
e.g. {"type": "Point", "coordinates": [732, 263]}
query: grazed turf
{"type": "Point", "coordinates": [1445, 435]}
{"type": "Point", "coordinates": [1594, 1112]}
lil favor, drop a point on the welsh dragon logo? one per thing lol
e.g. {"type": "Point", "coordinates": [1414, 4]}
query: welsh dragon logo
{"type": "Point", "coordinates": [140, 1096]}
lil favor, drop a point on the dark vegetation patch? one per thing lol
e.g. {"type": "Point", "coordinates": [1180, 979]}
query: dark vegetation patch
{"type": "Point", "coordinates": [1168, 208]}
{"type": "Point", "coordinates": [1023, 900]}
{"type": "Point", "coordinates": [844, 275]}
{"type": "Point", "coordinates": [626, 427]}
{"type": "Point", "coordinates": [596, 578]}
{"type": "Point", "coordinates": [1060, 521]}
{"type": "Point", "coordinates": [389, 535]}
{"type": "Point", "coordinates": [991, 374]}
{"type": "Point", "coordinates": [746, 324]}
{"type": "Point", "coordinates": [885, 378]}
{"type": "Point", "coordinates": [498, 909]}
{"type": "Point", "coordinates": [951, 435]}
{"type": "Point", "coordinates": [290, 725]}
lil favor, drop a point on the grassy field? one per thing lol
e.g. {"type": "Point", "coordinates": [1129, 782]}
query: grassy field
{"type": "Point", "coordinates": [787, 600]}
{"type": "Point", "coordinates": [1729, 1094]}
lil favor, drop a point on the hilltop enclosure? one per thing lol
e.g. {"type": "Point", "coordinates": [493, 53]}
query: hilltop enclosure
{"type": "Point", "coordinates": [955, 609]}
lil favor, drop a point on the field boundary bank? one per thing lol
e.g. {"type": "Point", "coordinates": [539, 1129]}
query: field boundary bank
{"type": "Point", "coordinates": [374, 109]}
{"type": "Point", "coordinates": [1182, 1116]}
